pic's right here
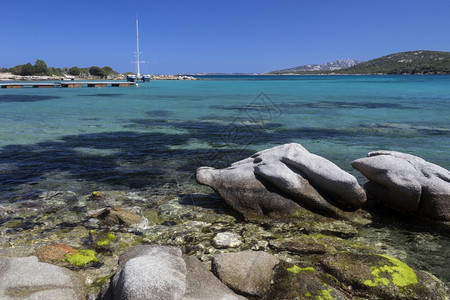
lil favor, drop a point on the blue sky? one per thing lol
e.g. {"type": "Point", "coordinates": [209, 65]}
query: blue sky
{"type": "Point", "coordinates": [217, 36]}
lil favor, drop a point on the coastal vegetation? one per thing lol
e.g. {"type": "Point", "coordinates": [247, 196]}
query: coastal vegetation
{"type": "Point", "coordinates": [40, 68]}
{"type": "Point", "coordinates": [411, 62]}
{"type": "Point", "coordinates": [407, 63]}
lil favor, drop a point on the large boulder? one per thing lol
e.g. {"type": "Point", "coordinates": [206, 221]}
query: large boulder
{"type": "Point", "coordinates": [407, 183]}
{"type": "Point", "coordinates": [354, 276]}
{"type": "Point", "coordinates": [281, 181]}
{"type": "Point", "coordinates": [27, 278]}
{"type": "Point", "coordinates": [160, 272]}
{"type": "Point", "coordinates": [248, 272]}
{"type": "Point", "coordinates": [380, 276]}
{"type": "Point", "coordinates": [148, 272]}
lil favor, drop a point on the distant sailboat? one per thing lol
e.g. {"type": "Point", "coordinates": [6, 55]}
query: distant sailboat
{"type": "Point", "coordinates": [138, 77]}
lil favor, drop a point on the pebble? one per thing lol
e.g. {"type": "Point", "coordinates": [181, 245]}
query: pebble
{"type": "Point", "coordinates": [226, 240]}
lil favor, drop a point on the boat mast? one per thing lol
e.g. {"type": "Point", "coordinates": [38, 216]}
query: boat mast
{"type": "Point", "coordinates": [137, 46]}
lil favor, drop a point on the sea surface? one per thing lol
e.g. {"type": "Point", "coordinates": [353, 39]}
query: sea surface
{"type": "Point", "coordinates": [159, 133]}
{"type": "Point", "coordinates": [133, 138]}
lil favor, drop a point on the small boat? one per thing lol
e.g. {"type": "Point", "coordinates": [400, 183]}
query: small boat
{"type": "Point", "coordinates": [138, 76]}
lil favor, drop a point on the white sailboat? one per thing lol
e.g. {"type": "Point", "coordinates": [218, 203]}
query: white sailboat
{"type": "Point", "coordinates": [138, 76]}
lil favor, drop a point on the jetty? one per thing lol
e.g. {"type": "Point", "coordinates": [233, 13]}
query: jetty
{"type": "Point", "coordinates": [66, 84]}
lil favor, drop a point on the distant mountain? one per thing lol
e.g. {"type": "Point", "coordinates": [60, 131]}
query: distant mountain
{"type": "Point", "coordinates": [411, 62]}
{"type": "Point", "coordinates": [328, 66]}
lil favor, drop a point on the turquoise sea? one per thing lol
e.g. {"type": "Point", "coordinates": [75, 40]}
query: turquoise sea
{"type": "Point", "coordinates": [159, 133]}
{"type": "Point", "coordinates": [133, 138]}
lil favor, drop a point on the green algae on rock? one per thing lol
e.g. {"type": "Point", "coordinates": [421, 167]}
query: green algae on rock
{"type": "Point", "coordinates": [81, 258]}
{"type": "Point", "coordinates": [103, 241]}
{"type": "Point", "coordinates": [324, 294]}
{"type": "Point", "coordinates": [191, 221]}
{"type": "Point", "coordinates": [106, 240]}
{"type": "Point", "coordinates": [402, 275]}
{"type": "Point", "coordinates": [296, 269]}
{"type": "Point", "coordinates": [294, 282]}
{"type": "Point", "coordinates": [381, 276]}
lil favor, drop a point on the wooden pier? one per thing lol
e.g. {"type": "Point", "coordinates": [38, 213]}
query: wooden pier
{"type": "Point", "coordinates": [67, 84]}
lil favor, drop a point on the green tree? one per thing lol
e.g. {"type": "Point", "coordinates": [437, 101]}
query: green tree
{"type": "Point", "coordinates": [107, 70]}
{"type": "Point", "coordinates": [40, 67]}
{"type": "Point", "coordinates": [74, 71]}
{"type": "Point", "coordinates": [96, 71]}
{"type": "Point", "coordinates": [55, 71]}
{"type": "Point", "coordinates": [26, 69]}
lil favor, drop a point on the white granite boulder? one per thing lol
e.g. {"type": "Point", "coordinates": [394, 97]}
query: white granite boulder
{"type": "Point", "coordinates": [148, 272]}
{"type": "Point", "coordinates": [160, 272]}
{"type": "Point", "coordinates": [407, 183]}
{"type": "Point", "coordinates": [282, 180]}
{"type": "Point", "coordinates": [27, 278]}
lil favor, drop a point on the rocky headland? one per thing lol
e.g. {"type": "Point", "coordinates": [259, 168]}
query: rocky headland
{"type": "Point", "coordinates": [288, 225]}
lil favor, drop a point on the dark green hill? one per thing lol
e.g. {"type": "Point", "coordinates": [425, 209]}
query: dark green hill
{"type": "Point", "coordinates": [411, 62]}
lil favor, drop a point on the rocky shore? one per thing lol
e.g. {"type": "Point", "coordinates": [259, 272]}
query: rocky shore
{"type": "Point", "coordinates": [288, 225]}
{"type": "Point", "coordinates": [172, 77]}
{"type": "Point", "coordinates": [12, 77]}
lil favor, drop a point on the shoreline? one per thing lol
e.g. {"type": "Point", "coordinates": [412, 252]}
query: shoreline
{"type": "Point", "coordinates": [174, 218]}
{"type": "Point", "coordinates": [12, 77]}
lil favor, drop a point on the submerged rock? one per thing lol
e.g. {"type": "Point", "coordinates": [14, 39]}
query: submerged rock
{"type": "Point", "coordinates": [303, 246]}
{"type": "Point", "coordinates": [407, 183]}
{"type": "Point", "coordinates": [248, 272]}
{"type": "Point", "coordinates": [226, 240]}
{"type": "Point", "coordinates": [118, 216]}
{"type": "Point", "coordinates": [26, 278]}
{"type": "Point", "coordinates": [82, 258]}
{"type": "Point", "coordinates": [54, 253]}
{"type": "Point", "coordinates": [104, 241]}
{"type": "Point", "coordinates": [281, 181]}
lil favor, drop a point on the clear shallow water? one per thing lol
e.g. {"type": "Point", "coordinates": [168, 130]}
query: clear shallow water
{"type": "Point", "coordinates": [159, 133]}
{"type": "Point", "coordinates": [131, 138]}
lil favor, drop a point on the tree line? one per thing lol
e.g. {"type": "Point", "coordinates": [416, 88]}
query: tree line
{"type": "Point", "coordinates": [40, 68]}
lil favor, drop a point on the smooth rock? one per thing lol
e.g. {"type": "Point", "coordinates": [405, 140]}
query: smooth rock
{"type": "Point", "coordinates": [201, 284]}
{"type": "Point", "coordinates": [248, 272]}
{"type": "Point", "coordinates": [407, 183]}
{"type": "Point", "coordinates": [281, 181]}
{"type": "Point", "coordinates": [226, 240]}
{"type": "Point", "coordinates": [148, 272]}
{"type": "Point", "coordinates": [26, 278]}
{"type": "Point", "coordinates": [54, 253]}
{"type": "Point", "coordinates": [117, 216]}
{"type": "Point", "coordinates": [240, 189]}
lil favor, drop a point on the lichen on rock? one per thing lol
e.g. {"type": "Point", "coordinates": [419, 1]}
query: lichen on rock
{"type": "Point", "coordinates": [401, 274]}
{"type": "Point", "coordinates": [81, 258]}
{"type": "Point", "coordinates": [381, 276]}
{"type": "Point", "coordinates": [296, 269]}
